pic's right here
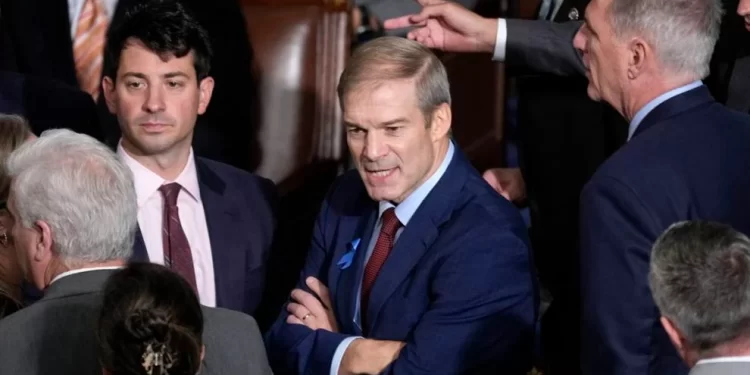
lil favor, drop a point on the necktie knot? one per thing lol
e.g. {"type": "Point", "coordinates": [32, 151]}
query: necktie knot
{"type": "Point", "coordinates": [390, 222]}
{"type": "Point", "coordinates": [170, 193]}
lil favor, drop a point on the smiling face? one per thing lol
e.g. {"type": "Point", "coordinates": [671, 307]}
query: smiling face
{"type": "Point", "coordinates": [393, 146]}
{"type": "Point", "coordinates": [156, 101]}
{"type": "Point", "coordinates": [604, 56]}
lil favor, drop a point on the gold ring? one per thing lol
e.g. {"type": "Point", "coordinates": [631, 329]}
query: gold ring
{"type": "Point", "coordinates": [306, 316]}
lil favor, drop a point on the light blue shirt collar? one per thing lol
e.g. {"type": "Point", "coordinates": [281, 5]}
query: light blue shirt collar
{"type": "Point", "coordinates": [643, 112]}
{"type": "Point", "coordinates": [406, 209]}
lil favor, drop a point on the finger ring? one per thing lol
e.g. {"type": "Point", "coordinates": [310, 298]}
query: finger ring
{"type": "Point", "coordinates": [306, 316]}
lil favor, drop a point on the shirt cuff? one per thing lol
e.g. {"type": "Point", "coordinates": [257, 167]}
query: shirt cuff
{"type": "Point", "coordinates": [339, 354]}
{"type": "Point", "coordinates": [501, 39]}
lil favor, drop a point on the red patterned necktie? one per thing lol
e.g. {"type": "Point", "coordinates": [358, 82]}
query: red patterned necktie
{"type": "Point", "coordinates": [377, 259]}
{"type": "Point", "coordinates": [177, 255]}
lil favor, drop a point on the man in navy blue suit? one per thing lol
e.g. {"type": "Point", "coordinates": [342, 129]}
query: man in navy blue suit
{"type": "Point", "coordinates": [416, 265]}
{"type": "Point", "coordinates": [209, 222]}
{"type": "Point", "coordinates": [687, 158]}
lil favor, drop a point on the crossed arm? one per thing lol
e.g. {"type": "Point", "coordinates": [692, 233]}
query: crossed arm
{"type": "Point", "coordinates": [481, 313]}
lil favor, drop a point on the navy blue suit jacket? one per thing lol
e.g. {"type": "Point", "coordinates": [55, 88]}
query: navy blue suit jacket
{"type": "Point", "coordinates": [689, 159]}
{"type": "Point", "coordinates": [239, 209]}
{"type": "Point", "coordinates": [458, 286]}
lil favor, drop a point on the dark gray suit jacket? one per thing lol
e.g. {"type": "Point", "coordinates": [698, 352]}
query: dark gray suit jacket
{"type": "Point", "coordinates": [543, 47]}
{"type": "Point", "coordinates": [722, 368]}
{"type": "Point", "coordinates": [56, 335]}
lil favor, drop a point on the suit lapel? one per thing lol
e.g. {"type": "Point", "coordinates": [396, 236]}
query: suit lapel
{"type": "Point", "coordinates": [675, 106]}
{"type": "Point", "coordinates": [418, 235]}
{"type": "Point", "coordinates": [223, 235]}
{"type": "Point", "coordinates": [345, 293]}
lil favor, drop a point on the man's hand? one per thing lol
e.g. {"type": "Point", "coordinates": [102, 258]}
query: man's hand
{"type": "Point", "coordinates": [508, 182]}
{"type": "Point", "coordinates": [309, 311]}
{"type": "Point", "coordinates": [449, 27]}
{"type": "Point", "coordinates": [365, 356]}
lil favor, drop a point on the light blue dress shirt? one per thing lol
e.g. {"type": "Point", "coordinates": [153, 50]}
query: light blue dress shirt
{"type": "Point", "coordinates": [404, 212]}
{"type": "Point", "coordinates": [641, 114]}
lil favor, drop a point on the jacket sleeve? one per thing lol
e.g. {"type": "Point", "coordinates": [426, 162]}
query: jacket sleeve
{"type": "Point", "coordinates": [535, 46]}
{"type": "Point", "coordinates": [297, 349]}
{"type": "Point", "coordinates": [483, 309]}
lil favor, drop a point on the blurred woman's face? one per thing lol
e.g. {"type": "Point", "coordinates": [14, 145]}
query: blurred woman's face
{"type": "Point", "coordinates": [10, 271]}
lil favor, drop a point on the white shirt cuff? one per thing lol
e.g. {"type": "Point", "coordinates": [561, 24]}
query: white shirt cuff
{"type": "Point", "coordinates": [500, 40]}
{"type": "Point", "coordinates": [339, 354]}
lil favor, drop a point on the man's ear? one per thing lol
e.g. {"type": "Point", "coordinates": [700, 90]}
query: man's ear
{"type": "Point", "coordinates": [110, 95]}
{"type": "Point", "coordinates": [675, 335]}
{"type": "Point", "coordinates": [43, 246]}
{"type": "Point", "coordinates": [441, 121]}
{"type": "Point", "coordinates": [638, 52]}
{"type": "Point", "coordinates": [206, 88]}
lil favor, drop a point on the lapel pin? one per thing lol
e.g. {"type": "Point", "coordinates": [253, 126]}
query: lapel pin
{"type": "Point", "coordinates": [573, 14]}
{"type": "Point", "coordinates": [348, 257]}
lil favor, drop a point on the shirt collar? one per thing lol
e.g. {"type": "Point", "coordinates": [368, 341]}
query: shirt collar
{"type": "Point", "coordinates": [406, 209]}
{"type": "Point", "coordinates": [82, 270]}
{"type": "Point", "coordinates": [147, 182]}
{"type": "Point", "coordinates": [724, 359]}
{"type": "Point", "coordinates": [646, 109]}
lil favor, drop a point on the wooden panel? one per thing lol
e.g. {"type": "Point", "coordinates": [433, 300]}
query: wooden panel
{"type": "Point", "coordinates": [478, 93]}
{"type": "Point", "coordinates": [300, 48]}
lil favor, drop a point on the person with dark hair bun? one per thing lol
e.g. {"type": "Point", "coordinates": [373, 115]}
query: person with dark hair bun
{"type": "Point", "coordinates": [151, 323]}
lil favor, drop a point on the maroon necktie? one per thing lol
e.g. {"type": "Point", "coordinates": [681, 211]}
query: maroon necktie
{"type": "Point", "coordinates": [377, 258]}
{"type": "Point", "coordinates": [177, 255]}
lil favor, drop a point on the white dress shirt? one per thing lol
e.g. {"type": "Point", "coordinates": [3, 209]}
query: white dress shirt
{"type": "Point", "coordinates": [76, 6]}
{"type": "Point", "coordinates": [192, 218]}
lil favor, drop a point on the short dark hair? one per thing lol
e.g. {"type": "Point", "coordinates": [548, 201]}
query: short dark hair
{"type": "Point", "coordinates": [164, 27]}
{"type": "Point", "coordinates": [700, 279]}
{"type": "Point", "coordinates": [146, 305]}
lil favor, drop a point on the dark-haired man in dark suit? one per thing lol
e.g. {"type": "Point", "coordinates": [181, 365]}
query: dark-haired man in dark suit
{"type": "Point", "coordinates": [210, 222]}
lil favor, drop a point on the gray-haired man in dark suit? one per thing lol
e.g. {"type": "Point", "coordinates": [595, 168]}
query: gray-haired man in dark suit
{"type": "Point", "coordinates": [74, 214]}
{"type": "Point", "coordinates": [700, 280]}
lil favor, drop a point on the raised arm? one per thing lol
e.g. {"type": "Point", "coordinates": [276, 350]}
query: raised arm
{"type": "Point", "coordinates": [536, 46]}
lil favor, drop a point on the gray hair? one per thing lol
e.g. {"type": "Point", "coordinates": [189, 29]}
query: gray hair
{"type": "Point", "coordinates": [394, 58]}
{"type": "Point", "coordinates": [682, 32]}
{"type": "Point", "coordinates": [81, 189]}
{"type": "Point", "coordinates": [700, 280]}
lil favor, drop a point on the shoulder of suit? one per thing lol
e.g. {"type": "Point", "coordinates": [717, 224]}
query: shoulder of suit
{"type": "Point", "coordinates": [229, 173]}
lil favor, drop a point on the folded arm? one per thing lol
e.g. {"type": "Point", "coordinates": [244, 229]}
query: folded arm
{"type": "Point", "coordinates": [294, 348]}
{"type": "Point", "coordinates": [482, 313]}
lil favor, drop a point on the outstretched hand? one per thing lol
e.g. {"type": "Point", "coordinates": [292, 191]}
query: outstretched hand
{"type": "Point", "coordinates": [449, 27]}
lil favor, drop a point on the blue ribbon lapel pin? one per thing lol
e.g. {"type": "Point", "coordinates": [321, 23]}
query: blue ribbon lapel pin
{"type": "Point", "coordinates": [348, 257]}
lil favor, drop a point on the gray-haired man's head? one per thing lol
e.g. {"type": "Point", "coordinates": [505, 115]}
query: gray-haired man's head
{"type": "Point", "coordinates": [72, 203]}
{"type": "Point", "coordinates": [700, 280]}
